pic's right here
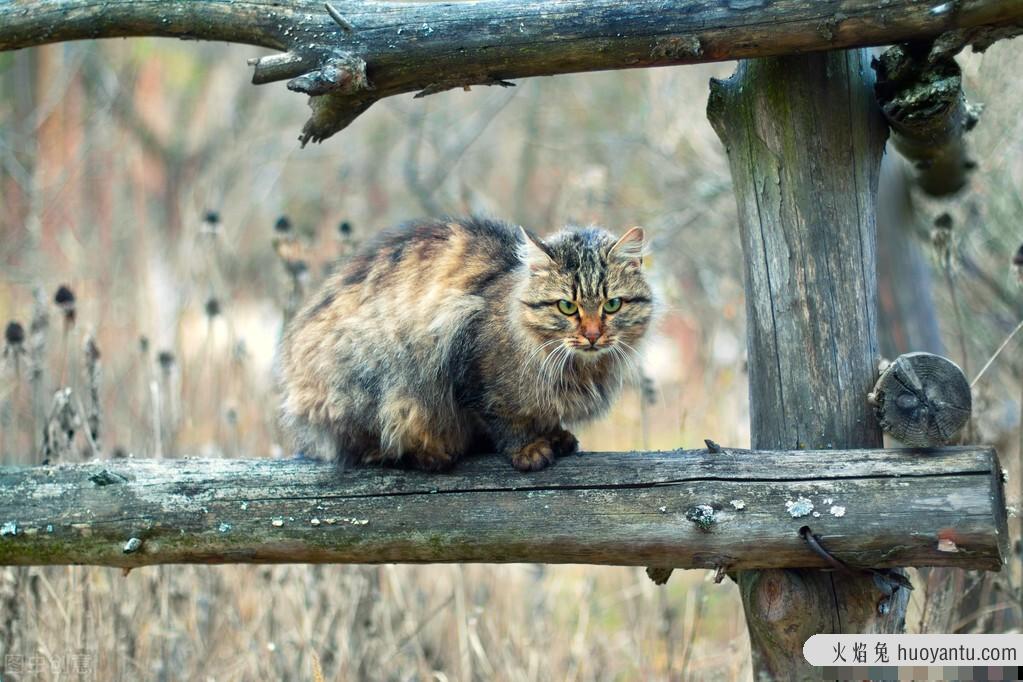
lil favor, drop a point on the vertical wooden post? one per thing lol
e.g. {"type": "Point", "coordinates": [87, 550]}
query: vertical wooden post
{"type": "Point", "coordinates": [804, 140]}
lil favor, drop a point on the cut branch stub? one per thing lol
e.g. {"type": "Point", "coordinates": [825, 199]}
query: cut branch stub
{"type": "Point", "coordinates": [922, 399]}
{"type": "Point", "coordinates": [921, 95]}
{"type": "Point", "coordinates": [339, 92]}
{"type": "Point", "coordinates": [277, 67]}
{"type": "Point", "coordinates": [343, 73]}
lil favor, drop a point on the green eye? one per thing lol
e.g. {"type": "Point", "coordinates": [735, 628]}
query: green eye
{"type": "Point", "coordinates": [567, 307]}
{"type": "Point", "coordinates": [612, 305]}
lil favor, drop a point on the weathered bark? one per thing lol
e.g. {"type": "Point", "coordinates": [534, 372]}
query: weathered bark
{"type": "Point", "coordinates": [875, 508]}
{"type": "Point", "coordinates": [804, 140]}
{"type": "Point", "coordinates": [921, 95]}
{"type": "Point", "coordinates": [353, 55]}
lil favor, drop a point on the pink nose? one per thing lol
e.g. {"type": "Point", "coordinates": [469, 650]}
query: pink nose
{"type": "Point", "coordinates": [591, 335]}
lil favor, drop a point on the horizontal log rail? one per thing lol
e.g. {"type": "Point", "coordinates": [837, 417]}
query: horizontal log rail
{"type": "Point", "coordinates": [731, 510]}
{"type": "Point", "coordinates": [351, 54]}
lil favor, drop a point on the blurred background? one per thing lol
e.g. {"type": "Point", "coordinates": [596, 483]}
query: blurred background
{"type": "Point", "coordinates": [171, 199]}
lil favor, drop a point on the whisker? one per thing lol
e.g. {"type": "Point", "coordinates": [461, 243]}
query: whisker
{"type": "Point", "coordinates": [526, 365]}
{"type": "Point", "coordinates": [546, 377]}
{"type": "Point", "coordinates": [562, 380]}
{"type": "Point", "coordinates": [553, 374]}
{"type": "Point", "coordinates": [630, 367]}
{"type": "Point", "coordinates": [536, 350]}
{"type": "Point", "coordinates": [629, 362]}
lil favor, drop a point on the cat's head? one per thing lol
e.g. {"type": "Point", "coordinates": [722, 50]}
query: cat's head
{"type": "Point", "coordinates": [586, 290]}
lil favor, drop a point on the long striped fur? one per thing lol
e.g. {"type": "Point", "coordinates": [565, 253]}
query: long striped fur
{"type": "Point", "coordinates": [464, 335]}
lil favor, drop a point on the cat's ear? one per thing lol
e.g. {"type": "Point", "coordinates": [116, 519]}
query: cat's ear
{"type": "Point", "coordinates": [534, 252]}
{"type": "Point", "coordinates": [630, 247]}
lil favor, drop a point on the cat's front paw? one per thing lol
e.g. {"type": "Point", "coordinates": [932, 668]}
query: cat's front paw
{"type": "Point", "coordinates": [534, 456]}
{"type": "Point", "coordinates": [562, 442]}
{"type": "Point", "coordinates": [433, 461]}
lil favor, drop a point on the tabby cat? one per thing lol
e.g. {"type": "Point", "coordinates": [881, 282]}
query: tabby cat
{"type": "Point", "coordinates": [442, 338]}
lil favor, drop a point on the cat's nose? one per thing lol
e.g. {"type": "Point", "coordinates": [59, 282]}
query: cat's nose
{"type": "Point", "coordinates": [591, 335]}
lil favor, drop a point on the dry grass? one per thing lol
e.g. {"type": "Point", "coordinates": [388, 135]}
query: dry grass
{"type": "Point", "coordinates": [110, 161]}
{"type": "Point", "coordinates": [513, 622]}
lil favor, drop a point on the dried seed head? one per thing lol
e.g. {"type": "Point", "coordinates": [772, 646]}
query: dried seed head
{"type": "Point", "coordinates": [64, 296]}
{"type": "Point", "coordinates": [212, 306]}
{"type": "Point", "coordinates": [144, 344]}
{"type": "Point", "coordinates": [166, 360]}
{"type": "Point", "coordinates": [65, 300]}
{"type": "Point", "coordinates": [14, 334]}
{"type": "Point", "coordinates": [345, 228]}
{"type": "Point", "coordinates": [296, 268]}
{"type": "Point", "coordinates": [210, 224]}
{"type": "Point", "coordinates": [282, 225]}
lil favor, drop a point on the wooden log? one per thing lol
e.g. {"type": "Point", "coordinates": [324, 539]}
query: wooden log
{"type": "Point", "coordinates": [804, 140]}
{"type": "Point", "coordinates": [350, 55]}
{"type": "Point", "coordinates": [922, 399]}
{"type": "Point", "coordinates": [695, 509]}
{"type": "Point", "coordinates": [922, 97]}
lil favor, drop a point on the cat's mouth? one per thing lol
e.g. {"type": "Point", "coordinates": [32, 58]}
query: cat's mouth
{"type": "Point", "coordinates": [590, 349]}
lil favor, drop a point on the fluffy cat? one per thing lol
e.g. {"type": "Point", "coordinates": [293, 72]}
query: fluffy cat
{"type": "Point", "coordinates": [464, 335]}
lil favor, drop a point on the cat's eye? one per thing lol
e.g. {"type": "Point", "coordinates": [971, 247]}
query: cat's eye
{"type": "Point", "coordinates": [567, 307]}
{"type": "Point", "coordinates": [612, 305]}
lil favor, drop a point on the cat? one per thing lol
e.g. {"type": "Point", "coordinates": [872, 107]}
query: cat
{"type": "Point", "coordinates": [442, 338]}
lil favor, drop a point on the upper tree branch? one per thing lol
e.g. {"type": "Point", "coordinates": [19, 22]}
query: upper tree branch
{"type": "Point", "coordinates": [359, 52]}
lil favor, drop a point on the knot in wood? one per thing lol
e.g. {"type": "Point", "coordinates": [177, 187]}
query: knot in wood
{"type": "Point", "coordinates": [676, 48]}
{"type": "Point", "coordinates": [923, 400]}
{"type": "Point", "coordinates": [342, 73]}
